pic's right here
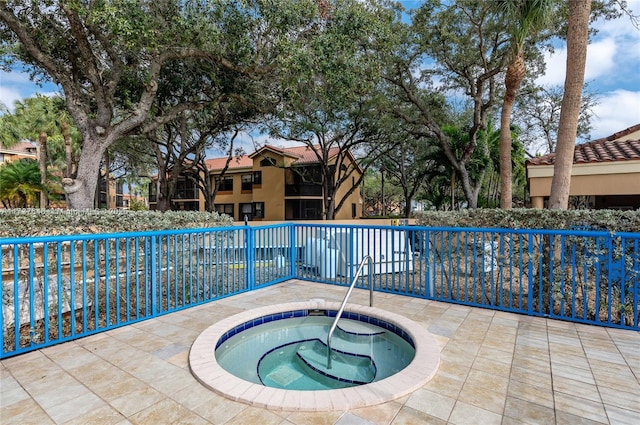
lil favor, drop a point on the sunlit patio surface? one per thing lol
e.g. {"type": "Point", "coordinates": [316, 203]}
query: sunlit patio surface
{"type": "Point", "coordinates": [496, 368]}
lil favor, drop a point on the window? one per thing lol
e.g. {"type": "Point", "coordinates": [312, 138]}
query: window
{"type": "Point", "coordinates": [258, 209]}
{"type": "Point", "coordinates": [246, 211]}
{"type": "Point", "coordinates": [224, 209]}
{"type": "Point", "coordinates": [268, 162]}
{"type": "Point", "coordinates": [257, 177]}
{"type": "Point", "coordinates": [246, 180]}
{"type": "Point", "coordinates": [224, 184]}
{"type": "Point", "coordinates": [354, 211]}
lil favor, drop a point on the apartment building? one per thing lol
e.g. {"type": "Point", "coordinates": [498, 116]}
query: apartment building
{"type": "Point", "coordinates": [18, 151]}
{"type": "Point", "coordinates": [271, 184]}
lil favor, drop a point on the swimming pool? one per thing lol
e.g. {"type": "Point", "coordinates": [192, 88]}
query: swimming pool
{"type": "Point", "coordinates": [245, 380]}
{"type": "Point", "coordinates": [287, 350]}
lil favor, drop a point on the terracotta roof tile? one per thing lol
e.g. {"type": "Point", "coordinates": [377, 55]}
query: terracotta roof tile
{"type": "Point", "coordinates": [22, 146]}
{"type": "Point", "coordinates": [237, 162]}
{"type": "Point", "coordinates": [621, 146]}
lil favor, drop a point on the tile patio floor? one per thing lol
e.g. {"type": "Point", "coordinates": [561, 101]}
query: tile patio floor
{"type": "Point", "coordinates": [496, 368]}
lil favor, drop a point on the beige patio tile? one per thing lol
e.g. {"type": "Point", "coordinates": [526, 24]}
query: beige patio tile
{"type": "Point", "coordinates": [467, 414]}
{"type": "Point", "coordinates": [629, 400]}
{"type": "Point", "coordinates": [166, 411]}
{"type": "Point", "coordinates": [115, 386]}
{"type": "Point", "coordinates": [78, 406]}
{"type": "Point", "coordinates": [564, 418]}
{"type": "Point", "coordinates": [219, 410]}
{"type": "Point", "coordinates": [491, 366]}
{"type": "Point", "coordinates": [575, 349]}
{"type": "Point", "coordinates": [133, 402]}
{"type": "Point", "coordinates": [252, 415]}
{"type": "Point", "coordinates": [577, 361]}
{"type": "Point", "coordinates": [620, 416]}
{"type": "Point", "coordinates": [607, 355]}
{"type": "Point", "coordinates": [431, 403]}
{"type": "Point", "coordinates": [445, 385]}
{"type": "Point", "coordinates": [528, 412]}
{"type": "Point", "coordinates": [482, 397]}
{"type": "Point", "coordinates": [175, 380]}
{"type": "Point", "coordinates": [47, 390]}
{"type": "Point", "coordinates": [531, 377]}
{"type": "Point", "coordinates": [104, 415]}
{"type": "Point", "coordinates": [453, 370]}
{"type": "Point", "coordinates": [73, 356]}
{"type": "Point", "coordinates": [576, 388]}
{"type": "Point", "coordinates": [571, 372]}
{"type": "Point", "coordinates": [495, 354]}
{"type": "Point", "coordinates": [499, 344]}
{"type": "Point", "coordinates": [193, 395]}
{"type": "Point", "coordinates": [491, 382]}
{"type": "Point", "coordinates": [580, 407]}
{"type": "Point", "coordinates": [530, 393]}
{"type": "Point", "coordinates": [381, 413]}
{"type": "Point", "coordinates": [409, 416]}
{"type": "Point", "coordinates": [531, 351]}
{"type": "Point", "coordinates": [24, 412]}
{"type": "Point", "coordinates": [11, 391]}
{"type": "Point", "coordinates": [307, 418]}
{"type": "Point", "coordinates": [542, 365]}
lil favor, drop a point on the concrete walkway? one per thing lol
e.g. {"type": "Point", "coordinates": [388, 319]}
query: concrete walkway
{"type": "Point", "coordinates": [496, 368]}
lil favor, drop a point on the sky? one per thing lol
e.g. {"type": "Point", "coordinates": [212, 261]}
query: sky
{"type": "Point", "coordinates": [613, 72]}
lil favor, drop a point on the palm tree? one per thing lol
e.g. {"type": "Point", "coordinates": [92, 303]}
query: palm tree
{"type": "Point", "coordinates": [38, 118]}
{"type": "Point", "coordinates": [20, 183]}
{"type": "Point", "coordinates": [527, 17]}
{"type": "Point", "coordinates": [577, 40]}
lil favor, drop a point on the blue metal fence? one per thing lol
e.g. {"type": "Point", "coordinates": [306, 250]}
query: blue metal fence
{"type": "Point", "coordinates": [59, 288]}
{"type": "Point", "coordinates": [584, 276]}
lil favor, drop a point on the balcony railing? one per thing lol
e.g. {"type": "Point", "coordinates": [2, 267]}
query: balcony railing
{"type": "Point", "coordinates": [303, 190]}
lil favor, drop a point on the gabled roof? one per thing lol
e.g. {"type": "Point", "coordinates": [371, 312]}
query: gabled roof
{"type": "Point", "coordinates": [621, 146]}
{"type": "Point", "coordinates": [302, 154]}
{"type": "Point", "coordinates": [23, 147]}
{"type": "Point", "coordinates": [237, 162]}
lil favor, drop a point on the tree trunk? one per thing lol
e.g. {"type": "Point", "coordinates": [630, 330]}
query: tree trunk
{"type": "Point", "coordinates": [81, 191]}
{"type": "Point", "coordinates": [512, 81]}
{"type": "Point", "coordinates": [577, 40]}
{"type": "Point", "coordinates": [64, 128]}
{"type": "Point", "coordinates": [41, 149]}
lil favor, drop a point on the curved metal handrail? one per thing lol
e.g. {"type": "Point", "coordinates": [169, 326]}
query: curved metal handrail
{"type": "Point", "coordinates": [344, 302]}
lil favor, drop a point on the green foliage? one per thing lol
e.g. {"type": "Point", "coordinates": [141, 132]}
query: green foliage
{"type": "Point", "coordinates": [28, 222]}
{"type": "Point", "coordinates": [137, 205]}
{"type": "Point", "coordinates": [19, 183]}
{"type": "Point", "coordinates": [609, 220]}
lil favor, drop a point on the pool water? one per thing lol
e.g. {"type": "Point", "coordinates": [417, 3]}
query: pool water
{"type": "Point", "coordinates": [291, 353]}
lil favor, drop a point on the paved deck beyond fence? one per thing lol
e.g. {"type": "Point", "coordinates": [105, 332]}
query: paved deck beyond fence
{"type": "Point", "coordinates": [496, 368]}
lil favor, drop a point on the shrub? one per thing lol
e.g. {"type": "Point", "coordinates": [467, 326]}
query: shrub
{"type": "Point", "coordinates": [35, 222]}
{"type": "Point", "coordinates": [609, 220]}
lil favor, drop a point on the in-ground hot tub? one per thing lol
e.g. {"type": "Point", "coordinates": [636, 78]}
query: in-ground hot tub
{"type": "Point", "coordinates": [362, 388]}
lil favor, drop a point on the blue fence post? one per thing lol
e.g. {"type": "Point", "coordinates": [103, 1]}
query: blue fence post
{"type": "Point", "coordinates": [530, 278]}
{"type": "Point", "coordinates": [249, 258]}
{"type": "Point", "coordinates": [152, 266]}
{"type": "Point", "coordinates": [293, 250]}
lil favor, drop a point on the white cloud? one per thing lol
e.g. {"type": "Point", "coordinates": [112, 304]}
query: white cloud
{"type": "Point", "coordinates": [16, 86]}
{"type": "Point", "coordinates": [8, 96]}
{"type": "Point", "coordinates": [600, 62]}
{"type": "Point", "coordinates": [616, 111]}
{"type": "Point", "coordinates": [612, 55]}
